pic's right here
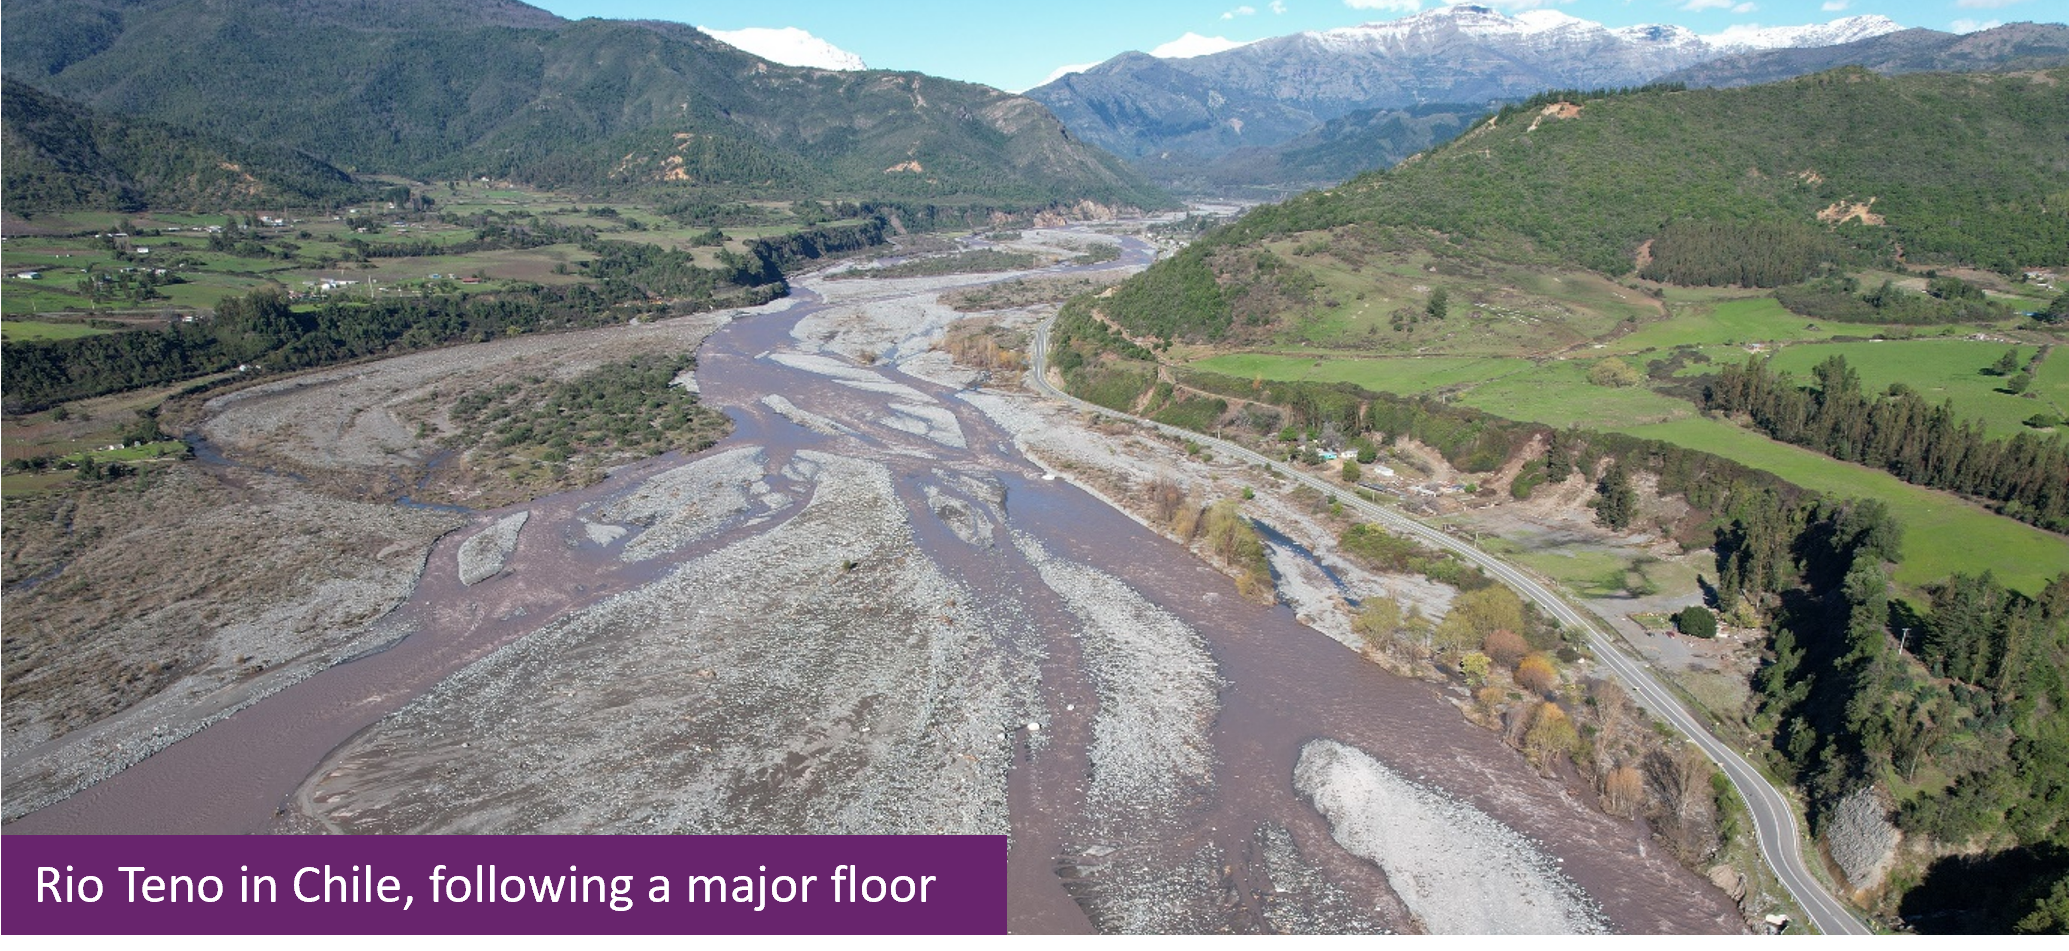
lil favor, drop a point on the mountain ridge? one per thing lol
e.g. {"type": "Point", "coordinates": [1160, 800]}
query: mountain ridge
{"type": "Point", "coordinates": [1174, 116]}
{"type": "Point", "coordinates": [469, 88]}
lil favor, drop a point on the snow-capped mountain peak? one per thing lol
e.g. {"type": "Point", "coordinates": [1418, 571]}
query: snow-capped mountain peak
{"type": "Point", "coordinates": [1542, 27]}
{"type": "Point", "coordinates": [1844, 30]}
{"type": "Point", "coordinates": [789, 46]}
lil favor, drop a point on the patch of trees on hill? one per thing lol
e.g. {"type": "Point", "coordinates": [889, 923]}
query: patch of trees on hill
{"type": "Point", "coordinates": [2028, 475]}
{"type": "Point", "coordinates": [1947, 300]}
{"type": "Point", "coordinates": [1741, 253]}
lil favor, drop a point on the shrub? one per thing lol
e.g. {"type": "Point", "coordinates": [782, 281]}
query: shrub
{"type": "Point", "coordinates": [1537, 674]}
{"type": "Point", "coordinates": [1696, 621]}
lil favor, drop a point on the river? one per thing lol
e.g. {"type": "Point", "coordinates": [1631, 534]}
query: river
{"type": "Point", "coordinates": [1131, 720]}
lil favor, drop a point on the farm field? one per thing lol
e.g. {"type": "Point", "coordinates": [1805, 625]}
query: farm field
{"type": "Point", "coordinates": [326, 246]}
{"type": "Point", "coordinates": [1943, 534]}
{"type": "Point", "coordinates": [1386, 374]}
{"type": "Point", "coordinates": [45, 330]}
{"type": "Point", "coordinates": [1941, 369]}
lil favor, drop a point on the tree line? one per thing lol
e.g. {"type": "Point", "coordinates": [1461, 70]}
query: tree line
{"type": "Point", "coordinates": [1899, 431]}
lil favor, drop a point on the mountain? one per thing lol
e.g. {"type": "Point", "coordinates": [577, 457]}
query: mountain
{"type": "Point", "coordinates": [1762, 184]}
{"type": "Point", "coordinates": [1264, 93]}
{"type": "Point", "coordinates": [62, 155]}
{"type": "Point", "coordinates": [465, 88]}
{"type": "Point", "coordinates": [789, 46]}
{"type": "Point", "coordinates": [1336, 150]}
{"type": "Point", "coordinates": [2009, 47]}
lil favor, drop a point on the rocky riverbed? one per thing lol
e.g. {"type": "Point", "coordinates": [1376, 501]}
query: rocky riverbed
{"type": "Point", "coordinates": [877, 608]}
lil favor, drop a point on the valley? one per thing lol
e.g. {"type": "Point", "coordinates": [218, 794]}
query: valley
{"type": "Point", "coordinates": [1138, 721]}
{"type": "Point", "coordinates": [1467, 472]}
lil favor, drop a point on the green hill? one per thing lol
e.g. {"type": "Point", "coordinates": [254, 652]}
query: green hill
{"type": "Point", "coordinates": [1843, 167]}
{"type": "Point", "coordinates": [467, 88]}
{"type": "Point", "coordinates": [61, 155]}
{"type": "Point", "coordinates": [1573, 288]}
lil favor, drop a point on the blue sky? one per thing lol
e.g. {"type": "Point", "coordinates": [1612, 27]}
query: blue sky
{"type": "Point", "coordinates": [1015, 45]}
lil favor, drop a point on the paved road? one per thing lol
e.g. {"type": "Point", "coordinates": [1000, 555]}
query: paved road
{"type": "Point", "coordinates": [1774, 821]}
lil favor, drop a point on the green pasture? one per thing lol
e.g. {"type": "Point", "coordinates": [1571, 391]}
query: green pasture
{"type": "Point", "coordinates": [1942, 534]}
{"type": "Point", "coordinates": [1943, 370]}
{"type": "Point", "coordinates": [1402, 375]}
{"type": "Point", "coordinates": [45, 330]}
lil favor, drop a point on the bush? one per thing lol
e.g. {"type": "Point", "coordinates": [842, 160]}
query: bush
{"type": "Point", "coordinates": [1696, 621]}
{"type": "Point", "coordinates": [1537, 674]}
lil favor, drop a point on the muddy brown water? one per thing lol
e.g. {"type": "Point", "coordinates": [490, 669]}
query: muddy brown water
{"type": "Point", "coordinates": [1285, 684]}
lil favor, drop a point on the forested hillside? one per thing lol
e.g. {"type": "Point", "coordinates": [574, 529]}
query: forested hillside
{"type": "Point", "coordinates": [1842, 167]}
{"type": "Point", "coordinates": [62, 155]}
{"type": "Point", "coordinates": [467, 88]}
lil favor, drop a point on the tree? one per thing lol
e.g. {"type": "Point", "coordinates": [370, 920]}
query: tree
{"type": "Point", "coordinates": [2006, 364]}
{"type": "Point", "coordinates": [1506, 647]}
{"type": "Point", "coordinates": [1696, 621]}
{"type": "Point", "coordinates": [1622, 789]}
{"type": "Point", "coordinates": [1616, 503]}
{"type": "Point", "coordinates": [1475, 666]}
{"type": "Point", "coordinates": [1536, 674]}
{"type": "Point", "coordinates": [2019, 383]}
{"type": "Point", "coordinates": [1439, 305]}
{"type": "Point", "coordinates": [1379, 617]}
{"type": "Point", "coordinates": [1551, 733]}
{"type": "Point", "coordinates": [1351, 471]}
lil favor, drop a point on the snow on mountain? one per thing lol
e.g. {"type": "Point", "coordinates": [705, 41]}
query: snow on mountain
{"type": "Point", "coordinates": [1753, 37]}
{"type": "Point", "coordinates": [1545, 29]}
{"type": "Point", "coordinates": [789, 46]}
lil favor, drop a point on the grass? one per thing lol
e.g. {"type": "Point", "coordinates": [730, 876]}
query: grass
{"type": "Point", "coordinates": [1559, 394]}
{"type": "Point", "coordinates": [1941, 369]}
{"type": "Point", "coordinates": [1507, 310]}
{"type": "Point", "coordinates": [1942, 534]}
{"type": "Point", "coordinates": [1404, 375]}
{"type": "Point", "coordinates": [1700, 322]}
{"type": "Point", "coordinates": [45, 330]}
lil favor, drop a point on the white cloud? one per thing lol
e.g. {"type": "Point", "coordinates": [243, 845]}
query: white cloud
{"type": "Point", "coordinates": [1389, 6]}
{"type": "Point", "coordinates": [1834, 6]}
{"type": "Point", "coordinates": [1984, 4]}
{"type": "Point", "coordinates": [1748, 7]}
{"type": "Point", "coordinates": [1970, 26]}
{"type": "Point", "coordinates": [789, 46]}
{"type": "Point", "coordinates": [1193, 44]}
{"type": "Point", "coordinates": [1239, 12]}
{"type": "Point", "coordinates": [1279, 6]}
{"type": "Point", "coordinates": [1062, 71]}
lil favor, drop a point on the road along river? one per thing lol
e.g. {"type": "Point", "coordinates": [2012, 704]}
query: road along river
{"type": "Point", "coordinates": [869, 610]}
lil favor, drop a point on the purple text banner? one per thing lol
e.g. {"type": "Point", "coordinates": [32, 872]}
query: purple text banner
{"type": "Point", "coordinates": [503, 885]}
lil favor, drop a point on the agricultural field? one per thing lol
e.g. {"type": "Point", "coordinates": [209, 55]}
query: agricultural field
{"type": "Point", "coordinates": [46, 330]}
{"type": "Point", "coordinates": [1944, 369]}
{"type": "Point", "coordinates": [1406, 375]}
{"type": "Point", "coordinates": [1376, 303]}
{"type": "Point", "coordinates": [307, 249]}
{"type": "Point", "coordinates": [1943, 534]}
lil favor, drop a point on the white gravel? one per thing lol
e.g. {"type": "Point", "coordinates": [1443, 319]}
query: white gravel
{"type": "Point", "coordinates": [804, 417]}
{"type": "Point", "coordinates": [689, 502]}
{"type": "Point", "coordinates": [1157, 688]}
{"type": "Point", "coordinates": [1459, 870]}
{"type": "Point", "coordinates": [820, 678]}
{"type": "Point", "coordinates": [483, 556]}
